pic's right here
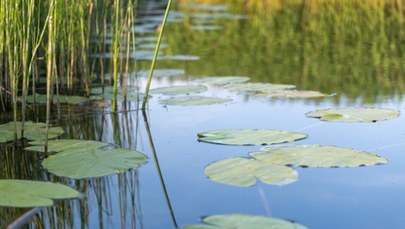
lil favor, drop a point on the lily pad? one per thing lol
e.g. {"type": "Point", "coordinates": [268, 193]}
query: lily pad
{"type": "Point", "coordinates": [354, 114]}
{"type": "Point", "coordinates": [32, 131]}
{"type": "Point", "coordinates": [69, 99]}
{"type": "Point", "coordinates": [259, 88]}
{"type": "Point", "coordinates": [23, 193]}
{"type": "Point", "coordinates": [243, 172]}
{"type": "Point", "coordinates": [177, 90]}
{"type": "Point", "coordinates": [86, 160]}
{"type": "Point", "coordinates": [317, 156]}
{"type": "Point", "coordinates": [63, 145]}
{"type": "Point", "coordinates": [133, 93]}
{"type": "Point", "coordinates": [179, 57]}
{"type": "Point", "coordinates": [249, 136]}
{"type": "Point", "coordinates": [242, 221]}
{"type": "Point", "coordinates": [296, 94]}
{"type": "Point", "coordinates": [193, 101]}
{"type": "Point", "coordinates": [222, 80]}
{"type": "Point", "coordinates": [162, 72]}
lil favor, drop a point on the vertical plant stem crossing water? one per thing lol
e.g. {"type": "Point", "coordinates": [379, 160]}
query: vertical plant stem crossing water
{"type": "Point", "coordinates": [152, 66]}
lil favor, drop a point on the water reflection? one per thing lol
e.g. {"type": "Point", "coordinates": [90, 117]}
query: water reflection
{"type": "Point", "coordinates": [335, 47]}
{"type": "Point", "coordinates": [343, 49]}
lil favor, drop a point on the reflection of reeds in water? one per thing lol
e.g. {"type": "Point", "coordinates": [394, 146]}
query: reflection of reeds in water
{"type": "Point", "coordinates": [110, 202]}
{"type": "Point", "coordinates": [16, 164]}
{"type": "Point", "coordinates": [326, 45]}
{"type": "Point", "coordinates": [106, 202]}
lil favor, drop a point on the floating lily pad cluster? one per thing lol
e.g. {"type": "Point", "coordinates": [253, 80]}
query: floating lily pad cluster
{"type": "Point", "coordinates": [274, 90]}
{"type": "Point", "coordinates": [32, 131]}
{"type": "Point", "coordinates": [76, 159]}
{"type": "Point", "coordinates": [272, 164]}
{"type": "Point", "coordinates": [107, 93]}
{"type": "Point", "coordinates": [68, 99]}
{"type": "Point", "coordinates": [183, 95]}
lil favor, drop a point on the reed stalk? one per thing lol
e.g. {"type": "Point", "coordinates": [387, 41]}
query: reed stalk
{"type": "Point", "coordinates": [116, 50]}
{"type": "Point", "coordinates": [50, 55]}
{"type": "Point", "coordinates": [152, 66]}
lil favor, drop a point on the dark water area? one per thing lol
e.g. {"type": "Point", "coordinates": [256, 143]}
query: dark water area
{"type": "Point", "coordinates": [350, 54]}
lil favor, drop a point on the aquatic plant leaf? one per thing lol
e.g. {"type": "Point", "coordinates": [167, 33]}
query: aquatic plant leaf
{"type": "Point", "coordinates": [317, 156]}
{"type": "Point", "coordinates": [24, 193]}
{"type": "Point", "coordinates": [296, 94]}
{"type": "Point", "coordinates": [179, 57]}
{"type": "Point", "coordinates": [259, 88]}
{"type": "Point", "coordinates": [243, 172]}
{"type": "Point", "coordinates": [133, 93]}
{"type": "Point", "coordinates": [162, 72]}
{"type": "Point", "coordinates": [193, 101]}
{"type": "Point", "coordinates": [354, 114]}
{"type": "Point", "coordinates": [68, 99]}
{"type": "Point", "coordinates": [249, 136]}
{"type": "Point", "coordinates": [242, 221]}
{"type": "Point", "coordinates": [80, 159]}
{"type": "Point", "coordinates": [177, 90]}
{"type": "Point", "coordinates": [32, 131]}
{"type": "Point", "coordinates": [222, 80]}
{"type": "Point", "coordinates": [93, 163]}
{"type": "Point", "coordinates": [63, 145]}
{"type": "Point", "coordinates": [152, 46]}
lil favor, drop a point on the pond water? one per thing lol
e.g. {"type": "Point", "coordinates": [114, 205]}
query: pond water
{"type": "Point", "coordinates": [358, 61]}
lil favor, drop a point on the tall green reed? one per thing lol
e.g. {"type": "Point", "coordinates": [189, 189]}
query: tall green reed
{"type": "Point", "coordinates": [152, 66]}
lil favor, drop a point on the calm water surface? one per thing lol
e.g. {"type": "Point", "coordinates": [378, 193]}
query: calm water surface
{"type": "Point", "coordinates": [364, 197]}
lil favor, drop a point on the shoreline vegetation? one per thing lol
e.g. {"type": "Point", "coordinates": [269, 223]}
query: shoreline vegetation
{"type": "Point", "coordinates": [55, 39]}
{"type": "Point", "coordinates": [324, 45]}
{"type": "Point", "coordinates": [330, 41]}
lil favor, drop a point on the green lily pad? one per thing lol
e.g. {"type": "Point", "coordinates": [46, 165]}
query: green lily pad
{"type": "Point", "coordinates": [242, 221]}
{"type": "Point", "coordinates": [32, 131]}
{"type": "Point", "coordinates": [249, 136]}
{"type": "Point", "coordinates": [177, 90]}
{"type": "Point", "coordinates": [179, 57]}
{"type": "Point", "coordinates": [222, 80]}
{"type": "Point", "coordinates": [296, 94]}
{"type": "Point", "coordinates": [259, 88]}
{"type": "Point", "coordinates": [23, 193]}
{"type": "Point", "coordinates": [354, 114]}
{"type": "Point", "coordinates": [317, 156]}
{"type": "Point", "coordinates": [93, 163]}
{"type": "Point", "coordinates": [63, 145]}
{"type": "Point", "coordinates": [86, 160]}
{"type": "Point", "coordinates": [193, 101]}
{"type": "Point", "coordinates": [162, 72]}
{"type": "Point", "coordinates": [243, 172]}
{"type": "Point", "coordinates": [69, 99]}
{"type": "Point", "coordinates": [133, 93]}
